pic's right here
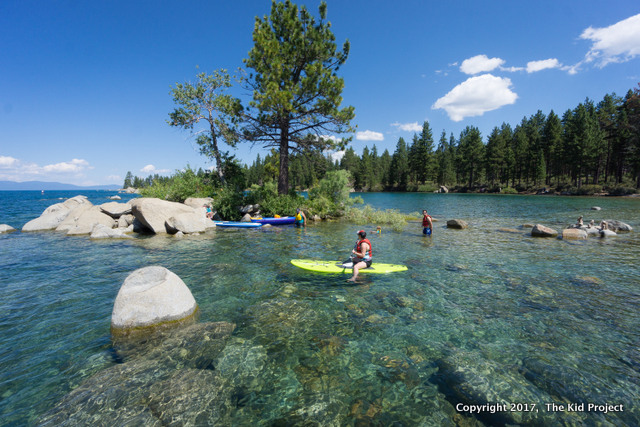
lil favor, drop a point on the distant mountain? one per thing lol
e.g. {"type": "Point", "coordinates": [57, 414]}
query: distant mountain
{"type": "Point", "coordinates": [50, 186]}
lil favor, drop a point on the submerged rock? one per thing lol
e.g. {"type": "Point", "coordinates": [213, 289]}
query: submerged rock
{"type": "Point", "coordinates": [470, 379]}
{"type": "Point", "coordinates": [457, 224]}
{"type": "Point", "coordinates": [151, 296]}
{"type": "Point", "coordinates": [169, 380]}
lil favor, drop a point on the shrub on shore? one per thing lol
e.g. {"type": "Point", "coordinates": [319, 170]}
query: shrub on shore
{"type": "Point", "coordinates": [369, 215]}
{"type": "Point", "coordinates": [182, 185]}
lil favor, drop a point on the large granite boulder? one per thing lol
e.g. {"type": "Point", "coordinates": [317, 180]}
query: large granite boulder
{"type": "Point", "coordinates": [457, 224]}
{"type": "Point", "coordinates": [55, 214]}
{"type": "Point", "coordinates": [198, 202]}
{"type": "Point", "coordinates": [72, 218]}
{"type": "Point", "coordinates": [151, 296]}
{"type": "Point", "coordinates": [4, 228]}
{"type": "Point", "coordinates": [115, 209]}
{"type": "Point", "coordinates": [540, 230]}
{"type": "Point", "coordinates": [574, 234]}
{"type": "Point", "coordinates": [618, 226]}
{"type": "Point", "coordinates": [101, 231]}
{"type": "Point", "coordinates": [88, 219]}
{"type": "Point", "coordinates": [188, 223]}
{"type": "Point", "coordinates": [246, 218]}
{"type": "Point", "coordinates": [153, 213]}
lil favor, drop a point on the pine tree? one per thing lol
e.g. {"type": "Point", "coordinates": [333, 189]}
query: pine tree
{"type": "Point", "coordinates": [296, 91]}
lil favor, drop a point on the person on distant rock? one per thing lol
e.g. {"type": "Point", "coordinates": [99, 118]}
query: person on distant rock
{"type": "Point", "coordinates": [580, 223]}
{"type": "Point", "coordinates": [427, 223]}
{"type": "Point", "coordinates": [592, 223]}
{"type": "Point", "coordinates": [301, 218]}
{"type": "Point", "coordinates": [603, 226]}
{"type": "Point", "coordinates": [361, 255]}
{"type": "Point", "coordinates": [209, 211]}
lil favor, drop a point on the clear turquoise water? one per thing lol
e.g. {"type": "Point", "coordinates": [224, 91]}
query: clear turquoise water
{"type": "Point", "coordinates": [484, 315]}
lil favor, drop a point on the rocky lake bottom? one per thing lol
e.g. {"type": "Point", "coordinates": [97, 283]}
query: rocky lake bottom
{"type": "Point", "coordinates": [489, 326]}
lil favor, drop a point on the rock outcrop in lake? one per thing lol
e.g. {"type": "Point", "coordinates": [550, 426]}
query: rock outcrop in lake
{"type": "Point", "coordinates": [153, 213]}
{"type": "Point", "coordinates": [149, 297]}
{"type": "Point", "coordinates": [55, 214]}
{"type": "Point", "coordinates": [540, 230]}
{"type": "Point", "coordinates": [574, 234]}
{"type": "Point", "coordinates": [4, 228]}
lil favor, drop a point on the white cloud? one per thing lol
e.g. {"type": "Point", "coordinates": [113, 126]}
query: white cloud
{"type": "Point", "coordinates": [475, 96]}
{"type": "Point", "coordinates": [336, 156]}
{"type": "Point", "coordinates": [7, 162]}
{"type": "Point", "coordinates": [534, 66]}
{"type": "Point", "coordinates": [480, 64]}
{"type": "Point", "coordinates": [369, 135]}
{"type": "Point", "coordinates": [114, 178]}
{"type": "Point", "coordinates": [12, 169]}
{"type": "Point", "coordinates": [408, 127]}
{"type": "Point", "coordinates": [74, 166]}
{"type": "Point", "coordinates": [150, 169]}
{"type": "Point", "coordinates": [619, 42]}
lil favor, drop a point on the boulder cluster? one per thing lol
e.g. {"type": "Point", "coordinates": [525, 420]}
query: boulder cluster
{"type": "Point", "coordinates": [77, 216]}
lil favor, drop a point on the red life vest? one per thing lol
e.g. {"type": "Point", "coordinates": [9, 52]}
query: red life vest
{"type": "Point", "coordinates": [425, 223]}
{"type": "Point", "coordinates": [368, 255]}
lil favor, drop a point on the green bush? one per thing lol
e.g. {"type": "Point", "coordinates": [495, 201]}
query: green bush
{"type": "Point", "coordinates": [226, 202]}
{"type": "Point", "coordinates": [335, 186]}
{"type": "Point", "coordinates": [428, 187]}
{"type": "Point", "coordinates": [182, 185]}
{"type": "Point", "coordinates": [620, 190]}
{"type": "Point", "coordinates": [368, 215]}
{"type": "Point", "coordinates": [509, 190]}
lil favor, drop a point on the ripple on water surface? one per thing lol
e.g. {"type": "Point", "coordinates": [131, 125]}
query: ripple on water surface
{"type": "Point", "coordinates": [481, 316]}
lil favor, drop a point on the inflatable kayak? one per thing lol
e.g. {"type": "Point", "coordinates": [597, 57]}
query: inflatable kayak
{"type": "Point", "coordinates": [339, 267]}
{"type": "Point", "coordinates": [237, 224]}
{"type": "Point", "coordinates": [275, 221]}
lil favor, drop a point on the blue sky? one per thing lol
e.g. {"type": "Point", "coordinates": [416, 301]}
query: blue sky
{"type": "Point", "coordinates": [84, 86]}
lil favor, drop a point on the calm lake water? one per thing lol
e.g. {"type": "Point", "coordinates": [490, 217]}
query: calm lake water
{"type": "Point", "coordinates": [483, 316]}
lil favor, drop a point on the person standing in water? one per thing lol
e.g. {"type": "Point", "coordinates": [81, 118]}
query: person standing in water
{"type": "Point", "coordinates": [427, 223]}
{"type": "Point", "coordinates": [362, 255]}
{"type": "Point", "coordinates": [301, 219]}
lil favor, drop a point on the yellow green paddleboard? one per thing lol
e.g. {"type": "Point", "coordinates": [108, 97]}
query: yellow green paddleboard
{"type": "Point", "coordinates": [337, 267]}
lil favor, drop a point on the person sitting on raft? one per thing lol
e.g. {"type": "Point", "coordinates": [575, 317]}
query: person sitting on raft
{"type": "Point", "coordinates": [362, 254]}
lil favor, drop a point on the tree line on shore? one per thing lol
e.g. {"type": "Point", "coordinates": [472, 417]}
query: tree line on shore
{"type": "Point", "coordinates": [591, 148]}
{"type": "Point", "coordinates": [295, 110]}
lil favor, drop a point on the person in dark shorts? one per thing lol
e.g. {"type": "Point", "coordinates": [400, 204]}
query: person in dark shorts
{"type": "Point", "coordinates": [362, 254]}
{"type": "Point", "coordinates": [427, 223]}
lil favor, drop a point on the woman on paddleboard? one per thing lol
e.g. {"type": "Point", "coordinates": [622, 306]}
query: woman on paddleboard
{"type": "Point", "coordinates": [362, 254]}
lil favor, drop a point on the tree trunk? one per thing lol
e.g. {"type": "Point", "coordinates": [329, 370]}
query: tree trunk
{"type": "Point", "coordinates": [216, 152]}
{"type": "Point", "coordinates": [283, 176]}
